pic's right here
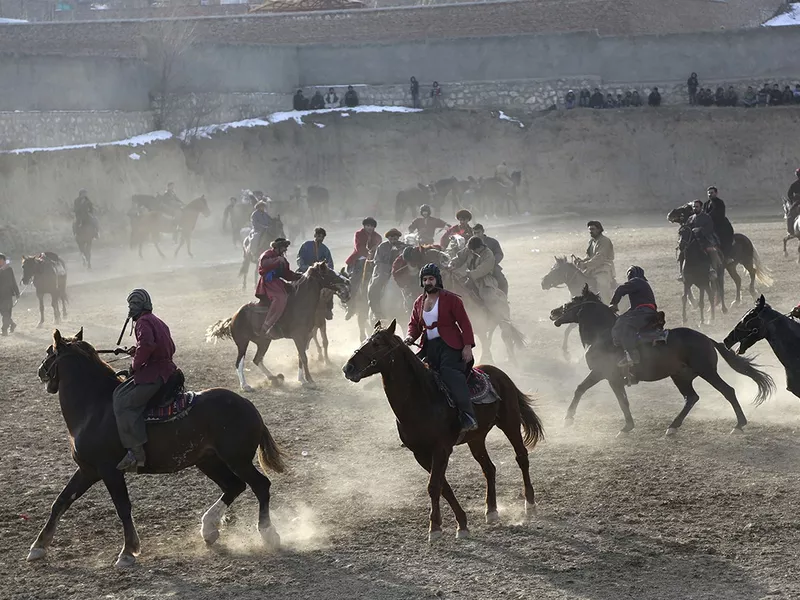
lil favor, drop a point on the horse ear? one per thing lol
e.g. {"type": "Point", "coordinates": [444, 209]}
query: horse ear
{"type": "Point", "coordinates": [58, 341]}
{"type": "Point", "coordinates": [79, 335]}
{"type": "Point", "coordinates": [761, 301]}
{"type": "Point", "coordinates": [585, 289]}
{"type": "Point", "coordinates": [392, 326]}
{"type": "Point", "coordinates": [377, 325]}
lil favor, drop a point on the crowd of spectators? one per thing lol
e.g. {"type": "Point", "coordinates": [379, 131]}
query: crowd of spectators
{"type": "Point", "coordinates": [768, 95]}
{"type": "Point", "coordinates": [597, 99]}
{"type": "Point", "coordinates": [329, 100]}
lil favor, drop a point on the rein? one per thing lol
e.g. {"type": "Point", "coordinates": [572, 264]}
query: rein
{"type": "Point", "coordinates": [376, 358]}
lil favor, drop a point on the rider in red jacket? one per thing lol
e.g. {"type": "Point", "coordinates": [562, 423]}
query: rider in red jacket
{"type": "Point", "coordinates": [462, 228]}
{"type": "Point", "coordinates": [447, 339]}
{"type": "Point", "coordinates": [273, 268]}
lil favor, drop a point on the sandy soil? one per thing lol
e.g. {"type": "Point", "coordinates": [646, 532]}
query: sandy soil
{"type": "Point", "coordinates": [702, 515]}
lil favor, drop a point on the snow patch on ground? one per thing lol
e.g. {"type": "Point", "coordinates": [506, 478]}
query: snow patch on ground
{"type": "Point", "coordinates": [504, 117]}
{"type": "Point", "coordinates": [139, 140]}
{"type": "Point", "coordinates": [134, 156]}
{"type": "Point", "coordinates": [792, 17]}
{"type": "Point", "coordinates": [320, 125]}
{"type": "Point", "coordinates": [12, 21]}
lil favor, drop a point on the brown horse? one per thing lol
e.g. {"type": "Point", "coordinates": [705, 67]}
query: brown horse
{"type": "Point", "coordinates": [296, 323]}
{"type": "Point", "coordinates": [148, 225]}
{"type": "Point", "coordinates": [219, 435]}
{"type": "Point", "coordinates": [430, 428]}
{"type": "Point", "coordinates": [49, 276]}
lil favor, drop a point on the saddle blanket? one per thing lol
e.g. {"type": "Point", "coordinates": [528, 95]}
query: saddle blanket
{"type": "Point", "coordinates": [654, 337]}
{"type": "Point", "coordinates": [480, 386]}
{"type": "Point", "coordinates": [177, 409]}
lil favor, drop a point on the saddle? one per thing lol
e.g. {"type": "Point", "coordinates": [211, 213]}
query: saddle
{"type": "Point", "coordinates": [655, 332]}
{"type": "Point", "coordinates": [258, 314]}
{"type": "Point", "coordinates": [171, 402]}
{"type": "Point", "coordinates": [480, 386]}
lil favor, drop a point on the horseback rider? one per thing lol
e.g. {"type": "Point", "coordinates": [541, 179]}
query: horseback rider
{"type": "Point", "coordinates": [385, 255]}
{"type": "Point", "coordinates": [365, 241]}
{"type": "Point", "coordinates": [151, 368]}
{"type": "Point", "coordinates": [642, 312]}
{"type": "Point", "coordinates": [794, 202]}
{"type": "Point", "coordinates": [702, 228]}
{"type": "Point", "coordinates": [425, 225]}
{"type": "Point", "coordinates": [312, 252]}
{"type": "Point", "coordinates": [8, 291]}
{"type": "Point", "coordinates": [260, 221]}
{"type": "Point", "coordinates": [502, 176]}
{"type": "Point", "coordinates": [404, 268]}
{"type": "Point", "coordinates": [493, 245]}
{"type": "Point", "coordinates": [447, 339]}
{"type": "Point", "coordinates": [462, 228]}
{"type": "Point", "coordinates": [476, 264]}
{"type": "Point", "coordinates": [715, 208]}
{"type": "Point", "coordinates": [599, 260]}
{"type": "Point", "coordinates": [84, 213]}
{"type": "Point", "coordinates": [273, 268]}
{"type": "Point", "coordinates": [170, 202]}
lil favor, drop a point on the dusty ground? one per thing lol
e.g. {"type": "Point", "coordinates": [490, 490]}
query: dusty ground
{"type": "Point", "coordinates": [703, 515]}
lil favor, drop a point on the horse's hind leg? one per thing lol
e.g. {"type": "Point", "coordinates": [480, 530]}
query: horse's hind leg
{"type": "Point", "coordinates": [618, 387]}
{"type": "Point", "coordinates": [323, 330]}
{"type": "Point", "coordinates": [723, 388]}
{"type": "Point", "coordinates": [752, 289]}
{"type": "Point", "coordinates": [41, 310]}
{"type": "Point", "coordinates": [737, 280]}
{"type": "Point", "coordinates": [690, 397]}
{"type": "Point", "coordinates": [180, 245]}
{"type": "Point", "coordinates": [75, 488]}
{"type": "Point", "coordinates": [115, 483]}
{"type": "Point", "coordinates": [242, 350]}
{"type": "Point", "coordinates": [260, 485]}
{"type": "Point", "coordinates": [786, 239]}
{"type": "Point", "coordinates": [258, 360]}
{"type": "Point", "coordinates": [231, 486]}
{"type": "Point", "coordinates": [510, 425]}
{"type": "Point", "coordinates": [478, 449]}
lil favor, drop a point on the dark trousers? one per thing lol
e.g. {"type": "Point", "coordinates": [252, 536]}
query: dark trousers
{"type": "Point", "coordinates": [6, 305]}
{"type": "Point", "coordinates": [626, 330]}
{"type": "Point", "coordinates": [449, 364]}
{"type": "Point", "coordinates": [502, 282]}
{"type": "Point", "coordinates": [375, 291]}
{"type": "Point", "coordinates": [130, 402]}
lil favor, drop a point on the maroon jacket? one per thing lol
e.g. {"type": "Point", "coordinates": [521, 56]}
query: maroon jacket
{"type": "Point", "coordinates": [272, 267]}
{"type": "Point", "coordinates": [152, 359]}
{"type": "Point", "coordinates": [453, 324]}
{"type": "Point", "coordinates": [363, 244]}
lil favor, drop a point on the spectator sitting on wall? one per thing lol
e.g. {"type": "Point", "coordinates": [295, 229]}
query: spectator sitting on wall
{"type": "Point", "coordinates": [583, 100]}
{"type": "Point", "coordinates": [317, 101]}
{"type": "Point", "coordinates": [796, 93]}
{"type": "Point", "coordinates": [654, 99]}
{"type": "Point", "coordinates": [597, 100]}
{"type": "Point", "coordinates": [610, 103]}
{"type": "Point", "coordinates": [331, 99]}
{"type": "Point", "coordinates": [619, 100]}
{"type": "Point", "coordinates": [569, 100]}
{"type": "Point", "coordinates": [436, 95]}
{"type": "Point", "coordinates": [636, 99]}
{"type": "Point", "coordinates": [750, 98]}
{"type": "Point", "coordinates": [350, 97]}
{"type": "Point", "coordinates": [788, 97]}
{"type": "Point", "coordinates": [731, 97]}
{"type": "Point", "coordinates": [719, 96]}
{"type": "Point", "coordinates": [299, 101]}
{"type": "Point", "coordinates": [692, 85]}
{"type": "Point", "coordinates": [626, 100]}
{"type": "Point", "coordinates": [775, 96]}
{"type": "Point", "coordinates": [763, 95]}
{"type": "Point", "coordinates": [710, 98]}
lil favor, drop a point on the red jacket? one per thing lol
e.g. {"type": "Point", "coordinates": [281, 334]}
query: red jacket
{"type": "Point", "coordinates": [363, 244]}
{"type": "Point", "coordinates": [465, 232]}
{"type": "Point", "coordinates": [152, 359]}
{"type": "Point", "coordinates": [272, 267]}
{"type": "Point", "coordinates": [453, 324]}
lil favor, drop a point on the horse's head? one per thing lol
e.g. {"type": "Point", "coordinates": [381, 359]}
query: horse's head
{"type": "Point", "coordinates": [61, 348]}
{"type": "Point", "coordinates": [559, 274]}
{"type": "Point", "coordinates": [31, 265]}
{"type": "Point", "coordinates": [681, 214]}
{"type": "Point", "coordinates": [330, 279]}
{"type": "Point", "coordinates": [751, 328]}
{"type": "Point", "coordinates": [200, 205]}
{"type": "Point", "coordinates": [374, 354]}
{"type": "Point", "coordinates": [571, 311]}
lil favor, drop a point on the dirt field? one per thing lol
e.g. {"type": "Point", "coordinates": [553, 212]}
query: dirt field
{"type": "Point", "coordinates": [701, 515]}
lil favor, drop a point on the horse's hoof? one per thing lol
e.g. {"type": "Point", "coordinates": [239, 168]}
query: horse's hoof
{"type": "Point", "coordinates": [270, 538]}
{"type": "Point", "coordinates": [530, 509]}
{"type": "Point", "coordinates": [40, 325]}
{"type": "Point", "coordinates": [623, 433]}
{"type": "Point", "coordinates": [310, 385]}
{"type": "Point", "coordinates": [434, 536]}
{"type": "Point", "coordinates": [36, 554]}
{"type": "Point", "coordinates": [247, 388]}
{"type": "Point", "coordinates": [492, 517]}
{"type": "Point", "coordinates": [737, 431]}
{"type": "Point", "coordinates": [125, 561]}
{"type": "Point", "coordinates": [462, 534]}
{"type": "Point", "coordinates": [671, 431]}
{"type": "Point", "coordinates": [569, 421]}
{"type": "Point", "coordinates": [209, 537]}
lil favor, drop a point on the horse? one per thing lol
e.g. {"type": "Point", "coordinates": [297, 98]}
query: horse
{"type": "Point", "coordinates": [187, 221]}
{"type": "Point", "coordinates": [319, 203]}
{"type": "Point", "coordinates": [85, 233]}
{"type": "Point", "coordinates": [684, 355]}
{"type": "Point", "coordinates": [238, 215]}
{"type": "Point", "coordinates": [565, 272]}
{"type": "Point", "coordinates": [743, 252]}
{"type": "Point", "coordinates": [792, 225]}
{"type": "Point", "coordinates": [696, 272]}
{"type": "Point", "coordinates": [430, 428]}
{"type": "Point", "coordinates": [251, 255]}
{"type": "Point", "coordinates": [219, 434]}
{"type": "Point", "coordinates": [49, 275]}
{"type": "Point", "coordinates": [409, 200]}
{"type": "Point", "coordinates": [358, 304]}
{"type": "Point", "coordinates": [148, 224]}
{"type": "Point", "coordinates": [448, 188]}
{"type": "Point", "coordinates": [782, 333]}
{"type": "Point", "coordinates": [296, 323]}
{"type": "Point", "coordinates": [494, 191]}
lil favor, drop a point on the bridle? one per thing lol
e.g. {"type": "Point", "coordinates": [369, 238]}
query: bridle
{"type": "Point", "coordinates": [741, 326]}
{"type": "Point", "coordinates": [375, 359]}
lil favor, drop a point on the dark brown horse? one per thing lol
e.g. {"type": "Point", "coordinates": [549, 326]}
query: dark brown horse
{"type": "Point", "coordinates": [686, 355]}
{"type": "Point", "coordinates": [296, 323]}
{"type": "Point", "coordinates": [148, 225]}
{"type": "Point", "coordinates": [219, 435]}
{"type": "Point", "coordinates": [429, 427]}
{"type": "Point", "coordinates": [85, 233]}
{"type": "Point", "coordinates": [49, 275]}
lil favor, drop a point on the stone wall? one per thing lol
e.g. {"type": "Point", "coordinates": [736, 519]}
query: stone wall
{"type": "Point", "coordinates": [45, 129]}
{"type": "Point", "coordinates": [193, 110]}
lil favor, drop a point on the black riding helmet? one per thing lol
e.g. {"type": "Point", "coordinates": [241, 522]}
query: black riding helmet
{"type": "Point", "coordinates": [431, 269]}
{"type": "Point", "coordinates": [634, 272]}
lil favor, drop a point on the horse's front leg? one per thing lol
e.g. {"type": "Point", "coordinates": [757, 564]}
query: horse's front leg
{"type": "Point", "coordinates": [303, 373]}
{"type": "Point", "coordinates": [181, 241]}
{"type": "Point", "coordinates": [117, 488]}
{"type": "Point", "coordinates": [41, 310]}
{"type": "Point", "coordinates": [786, 239]}
{"type": "Point", "coordinates": [565, 345]}
{"type": "Point", "coordinates": [592, 379]}
{"type": "Point", "coordinates": [684, 299]}
{"type": "Point", "coordinates": [188, 237]}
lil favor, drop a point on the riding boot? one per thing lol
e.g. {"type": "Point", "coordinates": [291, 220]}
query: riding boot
{"type": "Point", "coordinates": [134, 458]}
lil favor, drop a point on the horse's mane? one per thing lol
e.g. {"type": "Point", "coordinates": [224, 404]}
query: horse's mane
{"type": "Point", "coordinates": [421, 373]}
{"type": "Point", "coordinates": [86, 350]}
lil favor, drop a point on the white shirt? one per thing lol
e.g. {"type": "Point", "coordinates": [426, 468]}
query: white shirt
{"type": "Point", "coordinates": [430, 317]}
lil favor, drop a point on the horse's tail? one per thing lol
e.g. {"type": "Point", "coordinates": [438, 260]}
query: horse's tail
{"type": "Point", "coordinates": [763, 273]}
{"type": "Point", "coordinates": [746, 366]}
{"type": "Point", "coordinates": [220, 330]}
{"type": "Point", "coordinates": [269, 455]}
{"type": "Point", "coordinates": [532, 429]}
{"type": "Point", "coordinates": [515, 335]}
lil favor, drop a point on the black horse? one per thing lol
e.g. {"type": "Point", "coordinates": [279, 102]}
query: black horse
{"type": "Point", "coordinates": [85, 233]}
{"type": "Point", "coordinates": [219, 435]}
{"type": "Point", "coordinates": [697, 272]}
{"type": "Point", "coordinates": [742, 253]}
{"type": "Point", "coordinates": [250, 255]}
{"type": "Point", "coordinates": [500, 196]}
{"type": "Point", "coordinates": [49, 275]}
{"type": "Point", "coordinates": [782, 333]}
{"type": "Point", "coordinates": [686, 355]}
{"type": "Point", "coordinates": [409, 201]}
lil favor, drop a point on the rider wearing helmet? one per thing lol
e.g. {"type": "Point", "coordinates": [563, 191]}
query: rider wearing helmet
{"type": "Point", "coordinates": [151, 368]}
{"type": "Point", "coordinates": [426, 225]}
{"type": "Point", "coordinates": [447, 339]}
{"type": "Point", "coordinates": [643, 309]}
